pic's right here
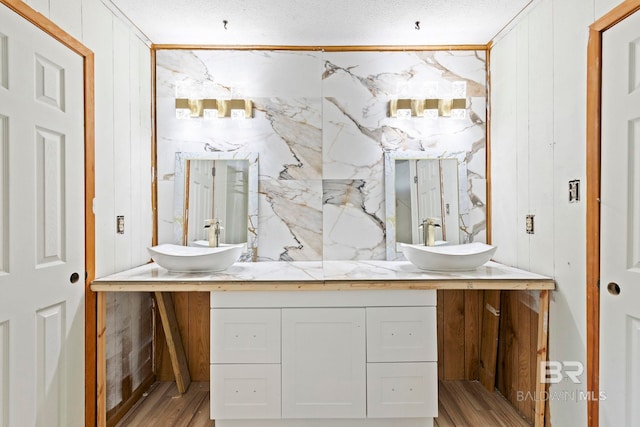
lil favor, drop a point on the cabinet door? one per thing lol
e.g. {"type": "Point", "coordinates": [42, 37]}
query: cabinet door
{"type": "Point", "coordinates": [323, 363]}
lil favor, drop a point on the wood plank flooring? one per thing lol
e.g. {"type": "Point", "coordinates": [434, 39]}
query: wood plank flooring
{"type": "Point", "coordinates": [469, 404]}
{"type": "Point", "coordinates": [163, 406]}
{"type": "Point", "coordinates": [461, 404]}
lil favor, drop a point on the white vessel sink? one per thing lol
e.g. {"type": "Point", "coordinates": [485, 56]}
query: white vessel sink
{"type": "Point", "coordinates": [448, 257]}
{"type": "Point", "coordinates": [191, 259]}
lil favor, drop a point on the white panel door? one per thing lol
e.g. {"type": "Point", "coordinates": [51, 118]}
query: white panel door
{"type": "Point", "coordinates": [620, 226]}
{"type": "Point", "coordinates": [450, 197]}
{"type": "Point", "coordinates": [200, 198]}
{"type": "Point", "coordinates": [323, 363]}
{"type": "Point", "coordinates": [428, 188]}
{"type": "Point", "coordinates": [220, 193]}
{"type": "Point", "coordinates": [42, 228]}
{"type": "Point", "coordinates": [429, 194]}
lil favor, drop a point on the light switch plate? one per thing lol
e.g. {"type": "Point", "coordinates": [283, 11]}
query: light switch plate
{"type": "Point", "coordinates": [574, 191]}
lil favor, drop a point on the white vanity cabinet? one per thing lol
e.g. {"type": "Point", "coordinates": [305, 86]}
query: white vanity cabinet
{"type": "Point", "coordinates": [362, 358]}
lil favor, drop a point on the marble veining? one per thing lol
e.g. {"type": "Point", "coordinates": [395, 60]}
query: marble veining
{"type": "Point", "coordinates": [353, 207]}
{"type": "Point", "coordinates": [321, 130]}
{"type": "Point", "coordinates": [290, 220]}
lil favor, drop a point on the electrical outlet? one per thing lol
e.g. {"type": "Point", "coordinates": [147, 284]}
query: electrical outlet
{"type": "Point", "coordinates": [529, 224]}
{"type": "Point", "coordinates": [574, 191]}
{"type": "Point", "coordinates": [120, 224]}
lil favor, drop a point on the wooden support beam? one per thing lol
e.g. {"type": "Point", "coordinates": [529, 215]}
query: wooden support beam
{"type": "Point", "coordinates": [489, 341]}
{"type": "Point", "coordinates": [174, 341]}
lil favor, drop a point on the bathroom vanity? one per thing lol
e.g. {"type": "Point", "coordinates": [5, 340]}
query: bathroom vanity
{"type": "Point", "coordinates": [340, 343]}
{"type": "Point", "coordinates": [335, 356]}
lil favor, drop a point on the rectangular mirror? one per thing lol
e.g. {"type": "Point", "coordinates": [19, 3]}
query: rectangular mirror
{"type": "Point", "coordinates": [418, 187]}
{"type": "Point", "coordinates": [223, 186]}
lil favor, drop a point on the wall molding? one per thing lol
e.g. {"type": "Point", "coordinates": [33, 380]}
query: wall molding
{"type": "Point", "coordinates": [373, 48]}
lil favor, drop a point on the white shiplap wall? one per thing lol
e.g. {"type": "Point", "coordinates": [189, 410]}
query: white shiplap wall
{"type": "Point", "coordinates": [123, 127]}
{"type": "Point", "coordinates": [122, 172]}
{"type": "Point", "coordinates": [538, 134]}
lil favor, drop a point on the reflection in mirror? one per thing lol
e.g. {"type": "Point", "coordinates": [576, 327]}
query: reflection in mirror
{"type": "Point", "coordinates": [220, 186]}
{"type": "Point", "coordinates": [426, 188]}
{"type": "Point", "coordinates": [216, 189]}
{"type": "Point", "coordinates": [420, 187]}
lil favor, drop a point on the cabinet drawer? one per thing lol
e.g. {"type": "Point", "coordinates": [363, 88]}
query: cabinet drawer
{"type": "Point", "coordinates": [245, 391]}
{"type": "Point", "coordinates": [245, 335]}
{"type": "Point", "coordinates": [402, 390]}
{"type": "Point", "coordinates": [401, 334]}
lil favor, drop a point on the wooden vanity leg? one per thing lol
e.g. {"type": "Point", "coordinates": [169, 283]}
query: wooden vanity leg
{"type": "Point", "coordinates": [174, 341]}
{"type": "Point", "coordinates": [101, 360]}
{"type": "Point", "coordinates": [543, 333]}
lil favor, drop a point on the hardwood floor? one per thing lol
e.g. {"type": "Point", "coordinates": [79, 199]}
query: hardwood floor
{"type": "Point", "coordinates": [469, 404]}
{"type": "Point", "coordinates": [461, 404]}
{"type": "Point", "coordinates": [163, 406]}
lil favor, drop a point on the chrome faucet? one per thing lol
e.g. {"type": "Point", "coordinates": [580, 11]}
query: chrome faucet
{"type": "Point", "coordinates": [214, 232]}
{"type": "Point", "coordinates": [429, 231]}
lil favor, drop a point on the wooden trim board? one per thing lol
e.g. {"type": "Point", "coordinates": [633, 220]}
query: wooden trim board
{"type": "Point", "coordinates": [594, 120]}
{"type": "Point", "coordinates": [196, 286]}
{"type": "Point", "coordinates": [543, 338]}
{"type": "Point", "coordinates": [154, 154]}
{"type": "Point", "coordinates": [487, 207]}
{"type": "Point", "coordinates": [355, 48]}
{"type": "Point", "coordinates": [100, 418]}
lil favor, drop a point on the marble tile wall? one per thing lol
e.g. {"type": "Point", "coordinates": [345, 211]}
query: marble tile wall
{"type": "Point", "coordinates": [321, 129]}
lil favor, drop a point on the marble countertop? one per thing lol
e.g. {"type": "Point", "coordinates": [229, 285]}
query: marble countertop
{"type": "Point", "coordinates": [319, 275]}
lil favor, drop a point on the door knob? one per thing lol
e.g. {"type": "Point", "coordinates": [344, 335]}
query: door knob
{"type": "Point", "coordinates": [613, 288]}
{"type": "Point", "coordinates": [74, 278]}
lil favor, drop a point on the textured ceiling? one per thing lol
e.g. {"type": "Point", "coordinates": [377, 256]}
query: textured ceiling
{"type": "Point", "coordinates": [320, 22]}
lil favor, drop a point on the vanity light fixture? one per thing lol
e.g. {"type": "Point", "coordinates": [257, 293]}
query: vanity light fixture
{"type": "Point", "coordinates": [452, 105]}
{"type": "Point", "coordinates": [240, 108]}
{"type": "Point", "coordinates": [405, 108]}
{"type": "Point", "coordinates": [210, 109]}
{"type": "Point", "coordinates": [187, 108]}
{"type": "Point", "coordinates": [213, 108]}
